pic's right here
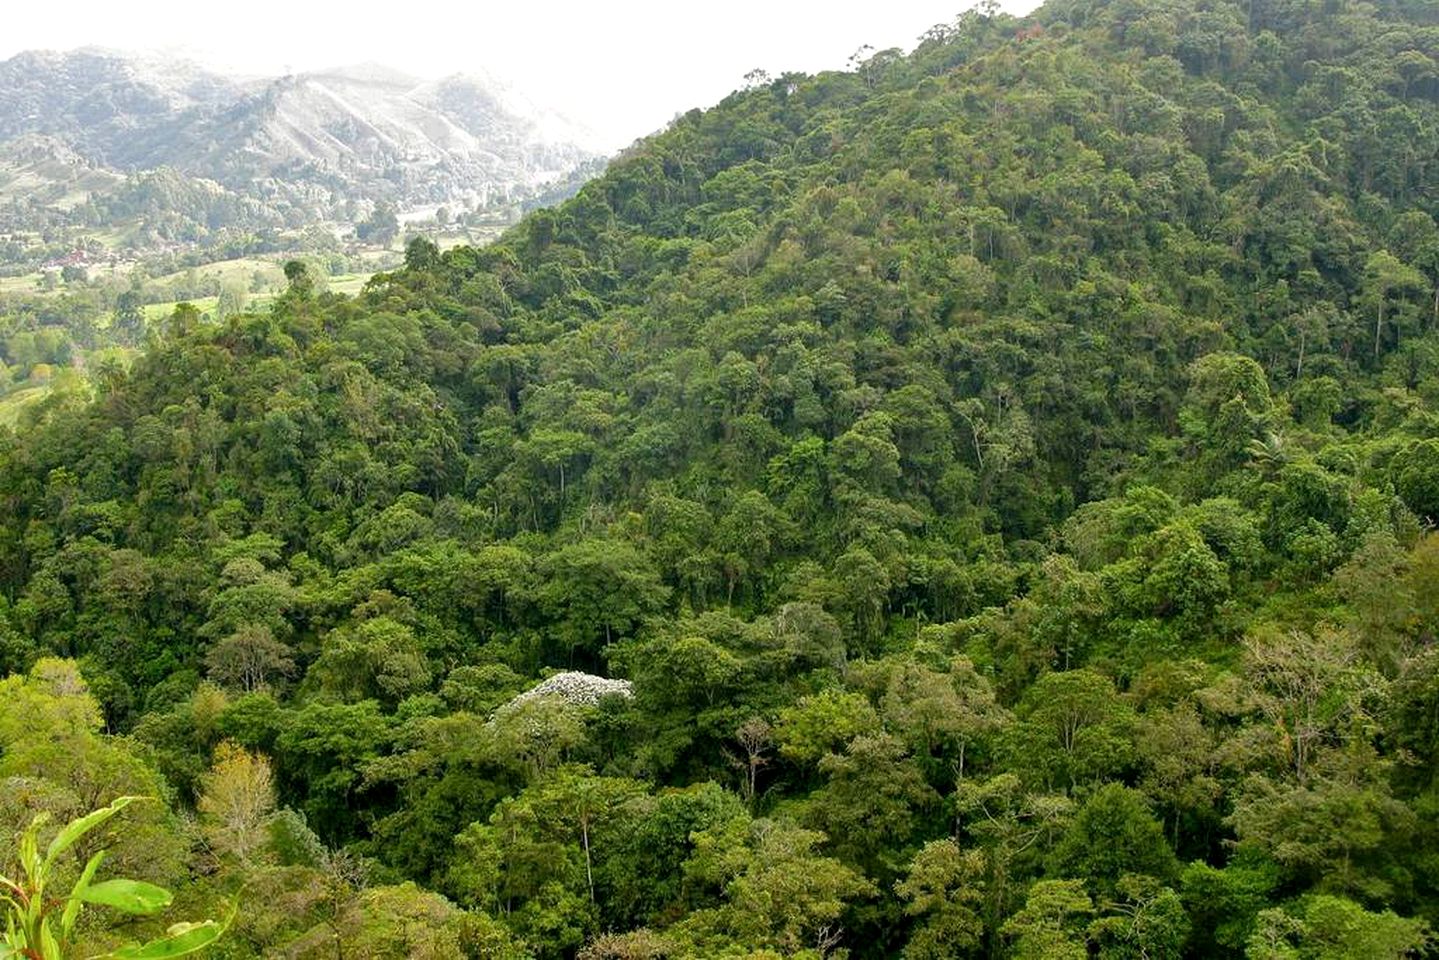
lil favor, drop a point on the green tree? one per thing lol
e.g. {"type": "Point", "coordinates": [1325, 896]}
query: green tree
{"type": "Point", "coordinates": [1051, 925]}
{"type": "Point", "coordinates": [128, 321]}
{"type": "Point", "coordinates": [1148, 922]}
{"type": "Point", "coordinates": [1113, 835]}
{"type": "Point", "coordinates": [1384, 276]}
{"type": "Point", "coordinates": [944, 888]}
{"type": "Point", "coordinates": [1073, 728]}
{"type": "Point", "coordinates": [250, 659]}
{"type": "Point", "coordinates": [595, 591]}
{"type": "Point", "coordinates": [1416, 477]}
{"type": "Point", "coordinates": [778, 892]}
{"type": "Point", "coordinates": [1333, 928]}
{"type": "Point", "coordinates": [381, 226]}
{"type": "Point", "coordinates": [872, 804]}
{"type": "Point", "coordinates": [816, 726]}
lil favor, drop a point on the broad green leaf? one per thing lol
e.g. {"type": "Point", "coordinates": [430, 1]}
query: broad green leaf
{"type": "Point", "coordinates": [129, 896]}
{"type": "Point", "coordinates": [49, 946]}
{"type": "Point", "coordinates": [181, 939]}
{"type": "Point", "coordinates": [29, 848]}
{"type": "Point", "coordinates": [72, 908]}
{"type": "Point", "coordinates": [76, 829]}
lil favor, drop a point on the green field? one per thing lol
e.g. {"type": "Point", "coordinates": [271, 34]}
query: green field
{"type": "Point", "coordinates": [26, 283]}
{"type": "Point", "coordinates": [244, 273]}
{"type": "Point", "coordinates": [159, 311]}
{"type": "Point", "coordinates": [13, 404]}
{"type": "Point", "coordinates": [240, 272]}
{"type": "Point", "coordinates": [349, 284]}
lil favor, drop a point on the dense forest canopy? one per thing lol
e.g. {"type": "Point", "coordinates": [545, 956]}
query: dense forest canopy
{"type": "Point", "coordinates": [1005, 474]}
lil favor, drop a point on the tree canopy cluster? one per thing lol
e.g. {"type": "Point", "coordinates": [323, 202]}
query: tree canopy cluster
{"type": "Point", "coordinates": [1005, 472]}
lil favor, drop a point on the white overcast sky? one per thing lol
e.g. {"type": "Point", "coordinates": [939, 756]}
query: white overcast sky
{"type": "Point", "coordinates": [622, 68]}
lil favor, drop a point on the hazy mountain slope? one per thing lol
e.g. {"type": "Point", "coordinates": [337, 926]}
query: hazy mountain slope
{"type": "Point", "coordinates": [375, 133]}
{"type": "Point", "coordinates": [43, 169]}
{"type": "Point", "coordinates": [310, 142]}
{"type": "Point", "coordinates": [100, 102]}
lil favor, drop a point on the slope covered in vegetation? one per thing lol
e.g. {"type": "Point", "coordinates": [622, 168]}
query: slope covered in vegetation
{"type": "Point", "coordinates": [1004, 472]}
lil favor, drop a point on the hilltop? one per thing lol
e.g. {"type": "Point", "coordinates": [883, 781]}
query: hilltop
{"type": "Point", "coordinates": [364, 131]}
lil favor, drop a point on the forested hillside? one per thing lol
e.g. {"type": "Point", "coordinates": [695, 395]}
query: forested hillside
{"type": "Point", "coordinates": [1005, 473]}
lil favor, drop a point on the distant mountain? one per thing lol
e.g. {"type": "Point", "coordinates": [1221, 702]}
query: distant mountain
{"type": "Point", "coordinates": [102, 104]}
{"type": "Point", "coordinates": [308, 146]}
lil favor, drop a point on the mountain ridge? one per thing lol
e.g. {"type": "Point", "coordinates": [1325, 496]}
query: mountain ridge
{"type": "Point", "coordinates": [317, 142]}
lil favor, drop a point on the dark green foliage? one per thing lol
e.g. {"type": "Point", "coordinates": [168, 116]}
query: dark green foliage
{"type": "Point", "coordinates": [1112, 835]}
